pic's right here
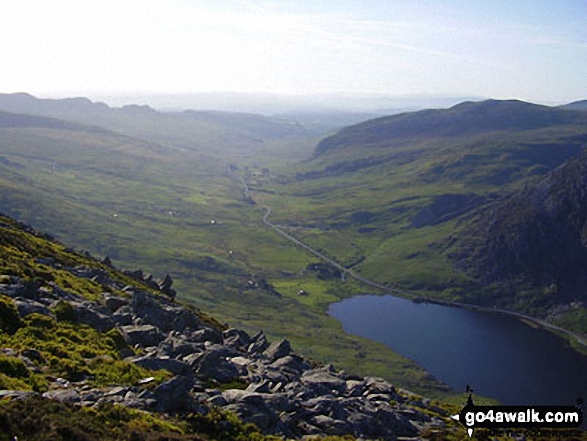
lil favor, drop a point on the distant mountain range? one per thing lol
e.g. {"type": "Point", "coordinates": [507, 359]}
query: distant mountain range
{"type": "Point", "coordinates": [199, 130]}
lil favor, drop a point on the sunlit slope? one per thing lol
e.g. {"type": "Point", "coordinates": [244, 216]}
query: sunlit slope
{"type": "Point", "coordinates": [110, 191]}
{"type": "Point", "coordinates": [386, 196]}
{"type": "Point", "coordinates": [167, 210]}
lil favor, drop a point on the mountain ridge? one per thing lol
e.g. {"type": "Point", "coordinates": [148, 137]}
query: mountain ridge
{"type": "Point", "coordinates": [461, 120]}
{"type": "Point", "coordinates": [534, 239]}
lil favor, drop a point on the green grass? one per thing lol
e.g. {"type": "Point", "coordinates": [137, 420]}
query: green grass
{"type": "Point", "coordinates": [73, 185]}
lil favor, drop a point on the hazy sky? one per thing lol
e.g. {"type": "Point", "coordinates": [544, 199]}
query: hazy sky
{"type": "Point", "coordinates": [526, 49]}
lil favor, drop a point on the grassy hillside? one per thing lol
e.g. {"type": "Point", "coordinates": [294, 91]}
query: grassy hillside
{"type": "Point", "coordinates": [69, 372]}
{"type": "Point", "coordinates": [387, 197]}
{"type": "Point", "coordinates": [166, 210]}
{"type": "Point", "coordinates": [384, 198]}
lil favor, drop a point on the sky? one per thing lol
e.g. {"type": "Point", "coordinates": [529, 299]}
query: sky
{"type": "Point", "coordinates": [533, 50]}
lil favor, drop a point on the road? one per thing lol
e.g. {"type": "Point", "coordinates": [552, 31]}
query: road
{"type": "Point", "coordinates": [399, 292]}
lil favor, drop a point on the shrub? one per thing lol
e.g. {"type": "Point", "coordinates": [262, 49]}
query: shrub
{"type": "Point", "coordinates": [64, 311]}
{"type": "Point", "coordinates": [115, 340]}
{"type": "Point", "coordinates": [13, 367]}
{"type": "Point", "coordinates": [10, 322]}
{"type": "Point", "coordinates": [40, 321]}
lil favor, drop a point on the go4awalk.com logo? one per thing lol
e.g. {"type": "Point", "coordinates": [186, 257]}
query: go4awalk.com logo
{"type": "Point", "coordinates": [518, 417]}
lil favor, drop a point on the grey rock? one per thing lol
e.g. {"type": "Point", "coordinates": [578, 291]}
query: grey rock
{"type": "Point", "coordinates": [277, 350]}
{"type": "Point", "coordinates": [217, 400]}
{"type": "Point", "coordinates": [185, 320]}
{"type": "Point", "coordinates": [323, 382]}
{"type": "Point", "coordinates": [239, 395]}
{"type": "Point", "coordinates": [207, 335]}
{"type": "Point", "coordinates": [92, 395]}
{"type": "Point", "coordinates": [123, 316]}
{"type": "Point", "coordinates": [280, 402]}
{"type": "Point", "coordinates": [33, 354]}
{"type": "Point", "coordinates": [215, 363]}
{"type": "Point", "coordinates": [328, 406]}
{"type": "Point", "coordinates": [264, 386]}
{"type": "Point", "coordinates": [332, 426]}
{"type": "Point", "coordinates": [28, 306]}
{"type": "Point", "coordinates": [143, 335]}
{"type": "Point", "coordinates": [87, 314]}
{"type": "Point", "coordinates": [291, 365]}
{"type": "Point", "coordinates": [178, 347]}
{"type": "Point", "coordinates": [173, 395]}
{"type": "Point", "coordinates": [151, 310]}
{"type": "Point", "coordinates": [16, 394]}
{"type": "Point", "coordinates": [112, 302]}
{"type": "Point", "coordinates": [117, 391]}
{"type": "Point", "coordinates": [10, 285]}
{"type": "Point", "coordinates": [355, 388]}
{"type": "Point", "coordinates": [63, 395]}
{"type": "Point", "coordinates": [176, 367]}
{"type": "Point", "coordinates": [378, 398]}
{"type": "Point", "coordinates": [258, 343]}
{"type": "Point", "coordinates": [236, 338]}
{"type": "Point", "coordinates": [380, 386]}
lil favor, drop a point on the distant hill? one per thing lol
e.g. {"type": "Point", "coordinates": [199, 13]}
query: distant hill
{"type": "Point", "coordinates": [212, 132]}
{"type": "Point", "coordinates": [17, 120]}
{"type": "Point", "coordinates": [577, 105]}
{"type": "Point", "coordinates": [466, 119]}
{"type": "Point", "coordinates": [26, 103]}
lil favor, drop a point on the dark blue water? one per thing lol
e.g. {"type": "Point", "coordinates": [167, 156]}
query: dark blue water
{"type": "Point", "coordinates": [497, 355]}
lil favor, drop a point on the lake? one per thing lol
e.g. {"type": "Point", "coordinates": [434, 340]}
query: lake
{"type": "Point", "coordinates": [497, 355]}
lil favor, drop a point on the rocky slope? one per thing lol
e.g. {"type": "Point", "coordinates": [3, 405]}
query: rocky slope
{"type": "Point", "coordinates": [532, 244]}
{"type": "Point", "coordinates": [78, 332]}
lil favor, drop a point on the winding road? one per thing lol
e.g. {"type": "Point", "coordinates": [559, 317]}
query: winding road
{"type": "Point", "coordinates": [393, 290]}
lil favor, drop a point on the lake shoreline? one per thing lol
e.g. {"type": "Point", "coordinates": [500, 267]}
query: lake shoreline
{"type": "Point", "coordinates": [505, 356]}
{"type": "Point", "coordinates": [536, 321]}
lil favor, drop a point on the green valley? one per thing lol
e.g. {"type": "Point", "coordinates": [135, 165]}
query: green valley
{"type": "Point", "coordinates": [390, 199]}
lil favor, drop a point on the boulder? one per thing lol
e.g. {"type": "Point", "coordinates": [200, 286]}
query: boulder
{"type": "Point", "coordinates": [258, 343]}
{"type": "Point", "coordinates": [173, 395]}
{"type": "Point", "coordinates": [277, 349]}
{"type": "Point", "coordinates": [88, 314]}
{"type": "Point", "coordinates": [236, 338]}
{"type": "Point", "coordinates": [28, 306]}
{"type": "Point", "coordinates": [112, 302]}
{"type": "Point", "coordinates": [322, 382]}
{"type": "Point", "coordinates": [143, 335]}
{"type": "Point", "coordinates": [291, 365]}
{"type": "Point", "coordinates": [215, 363]}
{"type": "Point", "coordinates": [328, 406]}
{"type": "Point", "coordinates": [122, 316]}
{"type": "Point", "coordinates": [207, 334]}
{"type": "Point", "coordinates": [185, 320]}
{"type": "Point", "coordinates": [176, 367]}
{"type": "Point", "coordinates": [149, 310]}
{"type": "Point", "coordinates": [178, 347]}
{"type": "Point", "coordinates": [63, 395]}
